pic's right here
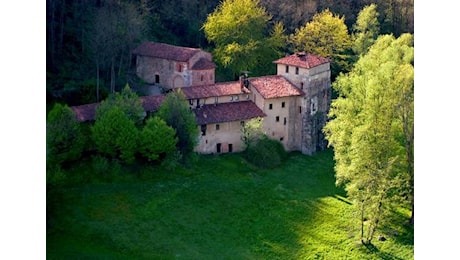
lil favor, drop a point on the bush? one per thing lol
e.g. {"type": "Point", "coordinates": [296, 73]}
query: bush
{"type": "Point", "coordinates": [265, 153]}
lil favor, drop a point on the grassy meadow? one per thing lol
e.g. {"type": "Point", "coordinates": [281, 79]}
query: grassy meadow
{"type": "Point", "coordinates": [219, 208]}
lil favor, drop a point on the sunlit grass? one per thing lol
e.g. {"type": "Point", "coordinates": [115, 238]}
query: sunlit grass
{"type": "Point", "coordinates": [222, 208]}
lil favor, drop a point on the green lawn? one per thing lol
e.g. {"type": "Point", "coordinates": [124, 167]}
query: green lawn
{"type": "Point", "coordinates": [221, 208]}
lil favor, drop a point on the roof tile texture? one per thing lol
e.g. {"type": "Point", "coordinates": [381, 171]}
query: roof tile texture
{"type": "Point", "coordinates": [303, 60]}
{"type": "Point", "coordinates": [165, 51]}
{"type": "Point", "coordinates": [227, 112]}
{"type": "Point", "coordinates": [275, 86]}
{"type": "Point", "coordinates": [215, 90]}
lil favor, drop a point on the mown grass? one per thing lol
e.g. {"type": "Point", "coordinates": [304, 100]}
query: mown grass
{"type": "Point", "coordinates": [221, 208]}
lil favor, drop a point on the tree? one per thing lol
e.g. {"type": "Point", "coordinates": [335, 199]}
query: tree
{"type": "Point", "coordinates": [326, 35]}
{"type": "Point", "coordinates": [371, 129]}
{"type": "Point", "coordinates": [116, 135]}
{"type": "Point", "coordinates": [252, 131]}
{"type": "Point", "coordinates": [175, 112]}
{"type": "Point", "coordinates": [366, 29]}
{"type": "Point", "coordinates": [64, 138]}
{"type": "Point", "coordinates": [128, 101]}
{"type": "Point", "coordinates": [238, 28]}
{"type": "Point", "coordinates": [157, 139]}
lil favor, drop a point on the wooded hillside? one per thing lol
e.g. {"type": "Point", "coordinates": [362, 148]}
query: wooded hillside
{"type": "Point", "coordinates": [89, 42]}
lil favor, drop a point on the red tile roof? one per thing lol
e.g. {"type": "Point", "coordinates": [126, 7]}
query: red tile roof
{"type": "Point", "coordinates": [227, 112]}
{"type": "Point", "coordinates": [85, 112]}
{"type": "Point", "coordinates": [275, 86]}
{"type": "Point", "coordinates": [215, 90]}
{"type": "Point", "coordinates": [303, 60]}
{"type": "Point", "coordinates": [152, 103]}
{"type": "Point", "coordinates": [203, 64]}
{"type": "Point", "coordinates": [165, 51]}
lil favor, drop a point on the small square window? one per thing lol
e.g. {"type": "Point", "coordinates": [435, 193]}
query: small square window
{"type": "Point", "coordinates": [282, 104]}
{"type": "Point", "coordinates": [270, 106]}
{"type": "Point", "coordinates": [281, 139]}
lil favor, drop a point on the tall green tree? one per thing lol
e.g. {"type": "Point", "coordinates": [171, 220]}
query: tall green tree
{"type": "Point", "coordinates": [326, 35]}
{"type": "Point", "coordinates": [157, 139]}
{"type": "Point", "coordinates": [128, 101]}
{"type": "Point", "coordinates": [116, 135]}
{"type": "Point", "coordinates": [366, 29]}
{"type": "Point", "coordinates": [64, 138]}
{"type": "Point", "coordinates": [176, 113]}
{"type": "Point", "coordinates": [371, 130]}
{"type": "Point", "coordinates": [243, 41]}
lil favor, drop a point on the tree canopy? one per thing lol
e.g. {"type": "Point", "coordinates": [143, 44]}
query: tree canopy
{"type": "Point", "coordinates": [157, 139]}
{"type": "Point", "coordinates": [366, 29]}
{"type": "Point", "coordinates": [239, 30]}
{"type": "Point", "coordinates": [371, 129]}
{"type": "Point", "coordinates": [175, 112]}
{"type": "Point", "coordinates": [326, 35]}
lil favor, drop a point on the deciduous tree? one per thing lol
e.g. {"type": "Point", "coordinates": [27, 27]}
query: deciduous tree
{"type": "Point", "coordinates": [157, 139]}
{"type": "Point", "coordinates": [175, 112]}
{"type": "Point", "coordinates": [326, 35]}
{"type": "Point", "coordinates": [116, 135]}
{"type": "Point", "coordinates": [239, 30]}
{"type": "Point", "coordinates": [366, 29]}
{"type": "Point", "coordinates": [64, 138]}
{"type": "Point", "coordinates": [371, 129]}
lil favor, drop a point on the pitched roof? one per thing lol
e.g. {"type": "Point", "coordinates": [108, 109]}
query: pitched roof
{"type": "Point", "coordinates": [203, 64]}
{"type": "Point", "coordinates": [303, 60]}
{"type": "Point", "coordinates": [152, 103]}
{"type": "Point", "coordinates": [227, 112]}
{"type": "Point", "coordinates": [215, 90]}
{"type": "Point", "coordinates": [275, 86]}
{"type": "Point", "coordinates": [165, 51]}
{"type": "Point", "coordinates": [85, 112]}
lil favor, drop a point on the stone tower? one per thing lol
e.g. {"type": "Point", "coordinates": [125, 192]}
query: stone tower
{"type": "Point", "coordinates": [311, 74]}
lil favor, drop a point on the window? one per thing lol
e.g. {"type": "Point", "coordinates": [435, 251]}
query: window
{"type": "Point", "coordinates": [287, 69]}
{"type": "Point", "coordinates": [201, 77]}
{"type": "Point", "coordinates": [300, 109]}
{"type": "Point", "coordinates": [297, 70]}
{"type": "Point", "coordinates": [217, 126]}
{"type": "Point", "coordinates": [301, 85]}
{"type": "Point", "coordinates": [282, 104]}
{"type": "Point", "coordinates": [230, 148]}
{"type": "Point", "coordinates": [277, 118]}
{"type": "Point", "coordinates": [235, 98]}
{"type": "Point", "coordinates": [157, 78]}
{"type": "Point", "coordinates": [242, 123]}
{"type": "Point", "coordinates": [218, 147]}
{"type": "Point", "coordinates": [179, 67]}
{"type": "Point", "coordinates": [198, 102]}
{"type": "Point", "coordinates": [281, 139]}
{"type": "Point", "coordinates": [285, 121]}
{"type": "Point", "coordinates": [270, 106]}
{"type": "Point", "coordinates": [203, 130]}
{"type": "Point", "coordinates": [190, 101]}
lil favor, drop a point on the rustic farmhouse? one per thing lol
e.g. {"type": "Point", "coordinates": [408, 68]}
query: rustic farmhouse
{"type": "Point", "coordinates": [294, 103]}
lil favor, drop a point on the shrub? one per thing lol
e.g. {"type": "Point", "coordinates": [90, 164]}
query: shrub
{"type": "Point", "coordinates": [265, 153]}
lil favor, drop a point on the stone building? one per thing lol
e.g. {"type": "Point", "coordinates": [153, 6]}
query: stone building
{"type": "Point", "coordinates": [172, 66]}
{"type": "Point", "coordinates": [294, 103]}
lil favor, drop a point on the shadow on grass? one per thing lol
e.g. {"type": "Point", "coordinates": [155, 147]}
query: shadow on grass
{"type": "Point", "coordinates": [381, 255]}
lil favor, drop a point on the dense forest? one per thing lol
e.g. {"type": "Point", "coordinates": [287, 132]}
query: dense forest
{"type": "Point", "coordinates": [88, 43]}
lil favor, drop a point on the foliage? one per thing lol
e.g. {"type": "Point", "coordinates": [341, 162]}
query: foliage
{"type": "Point", "coordinates": [252, 131]}
{"type": "Point", "coordinates": [175, 112]}
{"type": "Point", "coordinates": [370, 127]}
{"type": "Point", "coordinates": [116, 135]}
{"type": "Point", "coordinates": [127, 101]}
{"type": "Point", "coordinates": [367, 29]}
{"type": "Point", "coordinates": [265, 152]}
{"type": "Point", "coordinates": [64, 139]}
{"type": "Point", "coordinates": [157, 139]}
{"type": "Point", "coordinates": [238, 28]}
{"type": "Point", "coordinates": [326, 35]}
